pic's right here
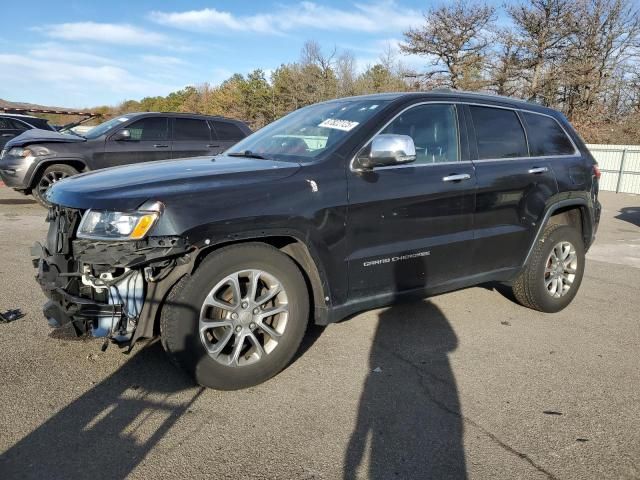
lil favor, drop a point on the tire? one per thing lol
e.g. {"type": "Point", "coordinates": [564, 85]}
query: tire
{"type": "Point", "coordinates": [535, 288]}
{"type": "Point", "coordinates": [50, 175]}
{"type": "Point", "coordinates": [185, 312]}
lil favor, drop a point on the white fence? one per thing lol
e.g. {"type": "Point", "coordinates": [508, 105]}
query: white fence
{"type": "Point", "coordinates": [620, 167]}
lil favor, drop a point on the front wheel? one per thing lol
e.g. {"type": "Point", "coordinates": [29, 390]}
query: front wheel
{"type": "Point", "coordinates": [51, 175]}
{"type": "Point", "coordinates": [553, 275]}
{"type": "Point", "coordinates": [239, 319]}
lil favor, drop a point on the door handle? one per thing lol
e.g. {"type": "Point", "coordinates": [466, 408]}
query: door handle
{"type": "Point", "coordinates": [456, 178]}
{"type": "Point", "coordinates": [213, 146]}
{"type": "Point", "coordinates": [8, 135]}
{"type": "Point", "coordinates": [538, 170]}
{"type": "Point", "coordinates": [160, 145]}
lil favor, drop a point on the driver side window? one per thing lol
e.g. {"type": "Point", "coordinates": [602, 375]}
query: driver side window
{"type": "Point", "coordinates": [150, 129]}
{"type": "Point", "coordinates": [434, 130]}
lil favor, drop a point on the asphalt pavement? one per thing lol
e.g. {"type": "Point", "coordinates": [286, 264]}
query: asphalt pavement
{"type": "Point", "coordinates": [464, 385]}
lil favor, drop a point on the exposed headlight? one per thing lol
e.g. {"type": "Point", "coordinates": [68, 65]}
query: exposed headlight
{"type": "Point", "coordinates": [31, 151]}
{"type": "Point", "coordinates": [104, 225]}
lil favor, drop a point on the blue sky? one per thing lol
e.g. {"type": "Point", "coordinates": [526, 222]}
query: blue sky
{"type": "Point", "coordinates": [83, 53]}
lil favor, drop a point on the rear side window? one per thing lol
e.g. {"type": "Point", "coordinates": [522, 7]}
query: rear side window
{"type": "Point", "coordinates": [227, 131]}
{"type": "Point", "coordinates": [191, 129]}
{"type": "Point", "coordinates": [19, 125]}
{"type": "Point", "coordinates": [499, 133]}
{"type": "Point", "coordinates": [150, 129]}
{"type": "Point", "coordinates": [546, 137]}
{"type": "Point", "coordinates": [434, 130]}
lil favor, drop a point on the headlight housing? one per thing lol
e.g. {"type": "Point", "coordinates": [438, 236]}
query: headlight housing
{"type": "Point", "coordinates": [30, 151]}
{"type": "Point", "coordinates": [106, 225]}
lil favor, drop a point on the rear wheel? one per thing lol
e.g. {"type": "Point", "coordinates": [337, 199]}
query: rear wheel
{"type": "Point", "coordinates": [553, 275]}
{"type": "Point", "coordinates": [239, 319]}
{"type": "Point", "coordinates": [51, 175]}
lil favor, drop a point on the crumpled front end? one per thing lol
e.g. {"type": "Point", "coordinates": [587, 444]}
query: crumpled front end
{"type": "Point", "coordinates": [110, 289]}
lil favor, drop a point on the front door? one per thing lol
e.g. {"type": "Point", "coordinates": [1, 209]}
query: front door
{"type": "Point", "coordinates": [513, 188]}
{"type": "Point", "coordinates": [149, 141]}
{"type": "Point", "coordinates": [411, 226]}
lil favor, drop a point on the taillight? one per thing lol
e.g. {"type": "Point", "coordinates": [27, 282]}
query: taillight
{"type": "Point", "coordinates": [596, 171]}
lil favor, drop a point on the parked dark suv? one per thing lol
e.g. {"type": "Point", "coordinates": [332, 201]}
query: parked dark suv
{"type": "Point", "coordinates": [12, 125]}
{"type": "Point", "coordinates": [338, 207]}
{"type": "Point", "coordinates": [35, 160]}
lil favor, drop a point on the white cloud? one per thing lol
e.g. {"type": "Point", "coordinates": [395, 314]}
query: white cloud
{"type": "Point", "coordinates": [121, 34]}
{"type": "Point", "coordinates": [54, 51]}
{"type": "Point", "coordinates": [66, 83]}
{"type": "Point", "coordinates": [162, 60]}
{"type": "Point", "coordinates": [385, 15]}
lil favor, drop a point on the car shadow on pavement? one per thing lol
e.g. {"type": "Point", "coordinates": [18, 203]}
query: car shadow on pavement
{"type": "Point", "coordinates": [630, 214]}
{"type": "Point", "coordinates": [110, 429]}
{"type": "Point", "coordinates": [409, 421]}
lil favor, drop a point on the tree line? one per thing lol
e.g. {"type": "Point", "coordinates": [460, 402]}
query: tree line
{"type": "Point", "coordinates": [581, 57]}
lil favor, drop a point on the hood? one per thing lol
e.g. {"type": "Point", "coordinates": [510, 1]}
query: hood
{"type": "Point", "coordinates": [37, 135]}
{"type": "Point", "coordinates": [126, 188]}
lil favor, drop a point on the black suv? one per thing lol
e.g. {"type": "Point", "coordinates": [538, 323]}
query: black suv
{"type": "Point", "coordinates": [338, 207]}
{"type": "Point", "coordinates": [12, 125]}
{"type": "Point", "coordinates": [35, 160]}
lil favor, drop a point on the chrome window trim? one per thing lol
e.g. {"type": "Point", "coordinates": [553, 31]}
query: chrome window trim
{"type": "Point", "coordinates": [418, 165]}
{"type": "Point", "coordinates": [575, 153]}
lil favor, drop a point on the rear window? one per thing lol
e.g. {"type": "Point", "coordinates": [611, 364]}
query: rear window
{"type": "Point", "coordinates": [546, 137]}
{"type": "Point", "coordinates": [499, 133]}
{"type": "Point", "coordinates": [191, 129]}
{"type": "Point", "coordinates": [228, 131]}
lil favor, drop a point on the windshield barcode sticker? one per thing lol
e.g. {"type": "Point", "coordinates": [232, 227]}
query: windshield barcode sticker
{"type": "Point", "coordinates": [344, 125]}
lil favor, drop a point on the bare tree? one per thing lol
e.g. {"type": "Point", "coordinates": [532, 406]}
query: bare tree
{"type": "Point", "coordinates": [606, 37]}
{"type": "Point", "coordinates": [346, 74]}
{"type": "Point", "coordinates": [455, 39]}
{"type": "Point", "coordinates": [543, 28]}
{"type": "Point", "coordinates": [506, 66]}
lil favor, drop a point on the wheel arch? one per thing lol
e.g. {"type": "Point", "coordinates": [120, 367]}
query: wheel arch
{"type": "Point", "coordinates": [77, 163]}
{"type": "Point", "coordinates": [300, 253]}
{"type": "Point", "coordinates": [573, 212]}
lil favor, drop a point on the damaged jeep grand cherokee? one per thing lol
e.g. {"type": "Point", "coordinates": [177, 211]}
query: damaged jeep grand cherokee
{"type": "Point", "coordinates": [338, 207]}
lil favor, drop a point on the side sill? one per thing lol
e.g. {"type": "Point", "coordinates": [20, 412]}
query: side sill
{"type": "Point", "coordinates": [341, 312]}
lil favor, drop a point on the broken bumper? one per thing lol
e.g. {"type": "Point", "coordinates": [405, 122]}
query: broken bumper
{"type": "Point", "coordinates": [110, 289]}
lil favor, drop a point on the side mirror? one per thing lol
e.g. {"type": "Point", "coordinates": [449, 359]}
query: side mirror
{"type": "Point", "coordinates": [387, 149]}
{"type": "Point", "coordinates": [122, 135]}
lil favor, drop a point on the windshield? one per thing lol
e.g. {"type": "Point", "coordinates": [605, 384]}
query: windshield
{"type": "Point", "coordinates": [309, 131]}
{"type": "Point", "coordinates": [104, 127]}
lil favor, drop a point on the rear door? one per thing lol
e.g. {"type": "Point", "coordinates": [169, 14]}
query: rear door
{"type": "Point", "coordinates": [410, 226]}
{"type": "Point", "coordinates": [192, 137]}
{"type": "Point", "coordinates": [513, 188]}
{"type": "Point", "coordinates": [227, 134]}
{"type": "Point", "coordinates": [149, 141]}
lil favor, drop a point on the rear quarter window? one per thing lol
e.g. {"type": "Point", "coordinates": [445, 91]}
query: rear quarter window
{"type": "Point", "coordinates": [499, 133]}
{"type": "Point", "coordinates": [227, 131]}
{"type": "Point", "coordinates": [546, 137]}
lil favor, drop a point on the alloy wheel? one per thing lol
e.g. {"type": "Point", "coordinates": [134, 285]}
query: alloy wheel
{"type": "Point", "coordinates": [48, 179]}
{"type": "Point", "coordinates": [560, 269]}
{"type": "Point", "coordinates": [243, 317]}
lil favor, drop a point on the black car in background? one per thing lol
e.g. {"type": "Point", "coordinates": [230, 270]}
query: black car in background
{"type": "Point", "coordinates": [12, 125]}
{"type": "Point", "coordinates": [338, 207]}
{"type": "Point", "coordinates": [36, 159]}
